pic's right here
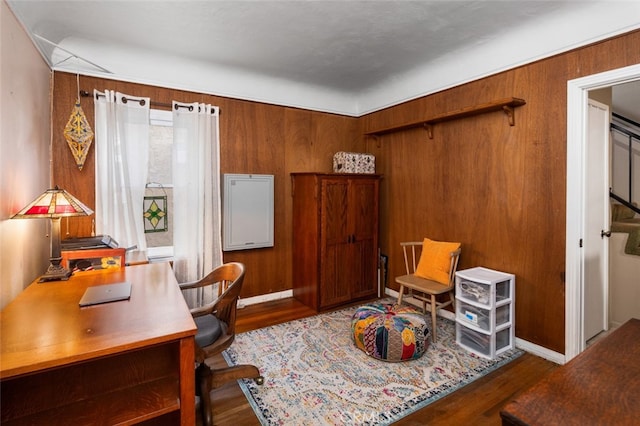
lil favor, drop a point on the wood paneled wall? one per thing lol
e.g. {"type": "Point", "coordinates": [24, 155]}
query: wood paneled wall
{"type": "Point", "coordinates": [499, 190]}
{"type": "Point", "coordinates": [255, 138]}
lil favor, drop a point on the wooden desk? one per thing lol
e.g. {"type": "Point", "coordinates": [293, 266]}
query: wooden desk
{"type": "Point", "coordinates": [599, 386]}
{"type": "Point", "coordinates": [116, 363]}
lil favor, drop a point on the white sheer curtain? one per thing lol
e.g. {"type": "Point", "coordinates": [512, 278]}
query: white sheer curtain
{"type": "Point", "coordinates": [196, 179]}
{"type": "Point", "coordinates": [122, 155]}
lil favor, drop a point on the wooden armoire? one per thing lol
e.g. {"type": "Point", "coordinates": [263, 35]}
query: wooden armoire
{"type": "Point", "coordinates": [335, 238]}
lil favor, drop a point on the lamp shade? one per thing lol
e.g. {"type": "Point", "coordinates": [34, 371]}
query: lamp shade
{"type": "Point", "coordinates": [54, 203]}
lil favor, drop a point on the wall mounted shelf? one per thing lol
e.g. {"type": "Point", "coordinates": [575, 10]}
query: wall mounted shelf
{"type": "Point", "coordinates": [507, 105]}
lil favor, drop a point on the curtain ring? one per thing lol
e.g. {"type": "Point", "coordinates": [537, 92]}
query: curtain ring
{"type": "Point", "coordinates": [142, 102]}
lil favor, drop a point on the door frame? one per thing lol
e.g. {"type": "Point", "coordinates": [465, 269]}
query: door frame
{"type": "Point", "coordinates": [577, 113]}
{"type": "Point", "coordinates": [595, 294]}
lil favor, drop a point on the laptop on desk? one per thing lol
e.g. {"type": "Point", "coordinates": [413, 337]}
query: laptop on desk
{"type": "Point", "coordinates": [106, 293]}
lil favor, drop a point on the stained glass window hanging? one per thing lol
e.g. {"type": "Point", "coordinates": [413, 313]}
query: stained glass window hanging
{"type": "Point", "coordinates": [155, 214]}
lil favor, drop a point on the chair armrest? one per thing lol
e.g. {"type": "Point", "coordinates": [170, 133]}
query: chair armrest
{"type": "Point", "coordinates": [190, 284]}
{"type": "Point", "coordinates": [209, 308]}
{"type": "Point", "coordinates": [203, 310]}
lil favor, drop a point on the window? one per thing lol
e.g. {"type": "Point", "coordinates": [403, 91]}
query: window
{"type": "Point", "coordinates": [191, 191]}
{"type": "Point", "coordinates": [158, 205]}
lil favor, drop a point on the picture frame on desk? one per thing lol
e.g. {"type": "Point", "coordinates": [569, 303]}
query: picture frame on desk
{"type": "Point", "coordinates": [92, 259]}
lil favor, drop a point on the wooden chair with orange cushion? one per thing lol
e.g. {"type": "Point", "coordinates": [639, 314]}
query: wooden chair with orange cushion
{"type": "Point", "coordinates": [216, 322]}
{"type": "Point", "coordinates": [431, 276]}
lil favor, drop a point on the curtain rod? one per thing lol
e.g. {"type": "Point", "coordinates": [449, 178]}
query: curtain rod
{"type": "Point", "coordinates": [86, 94]}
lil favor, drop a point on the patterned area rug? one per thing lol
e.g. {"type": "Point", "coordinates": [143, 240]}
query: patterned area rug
{"type": "Point", "coordinates": [314, 374]}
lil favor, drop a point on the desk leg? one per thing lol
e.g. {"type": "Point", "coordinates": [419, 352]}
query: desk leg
{"type": "Point", "coordinates": [187, 382]}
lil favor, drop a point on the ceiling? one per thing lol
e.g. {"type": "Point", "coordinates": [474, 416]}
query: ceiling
{"type": "Point", "coordinates": [347, 57]}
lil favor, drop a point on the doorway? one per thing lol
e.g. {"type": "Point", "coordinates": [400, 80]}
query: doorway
{"type": "Point", "coordinates": [595, 238]}
{"type": "Point", "coordinates": [577, 187]}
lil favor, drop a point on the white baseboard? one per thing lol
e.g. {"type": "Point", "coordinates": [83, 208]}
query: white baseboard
{"type": "Point", "coordinates": [540, 351]}
{"type": "Point", "coordinates": [525, 345]}
{"type": "Point", "coordinates": [264, 298]}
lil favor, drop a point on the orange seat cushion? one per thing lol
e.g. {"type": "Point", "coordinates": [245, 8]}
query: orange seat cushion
{"type": "Point", "coordinates": [435, 260]}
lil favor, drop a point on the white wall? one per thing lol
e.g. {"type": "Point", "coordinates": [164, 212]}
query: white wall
{"type": "Point", "coordinates": [24, 156]}
{"type": "Point", "coordinates": [624, 291]}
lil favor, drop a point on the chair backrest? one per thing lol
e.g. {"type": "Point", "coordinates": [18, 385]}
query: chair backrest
{"type": "Point", "coordinates": [230, 276]}
{"type": "Point", "coordinates": [228, 279]}
{"type": "Point", "coordinates": [412, 251]}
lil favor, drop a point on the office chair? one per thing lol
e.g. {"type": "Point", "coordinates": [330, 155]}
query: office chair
{"type": "Point", "coordinates": [216, 331]}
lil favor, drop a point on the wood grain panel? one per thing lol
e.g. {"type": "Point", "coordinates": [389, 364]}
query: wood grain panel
{"type": "Point", "coordinates": [253, 142]}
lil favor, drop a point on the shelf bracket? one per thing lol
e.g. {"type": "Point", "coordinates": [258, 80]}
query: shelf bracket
{"type": "Point", "coordinates": [511, 115]}
{"type": "Point", "coordinates": [429, 128]}
{"type": "Point", "coordinates": [375, 137]}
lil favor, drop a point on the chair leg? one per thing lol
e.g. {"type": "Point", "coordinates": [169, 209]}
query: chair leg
{"type": "Point", "coordinates": [433, 316]}
{"type": "Point", "coordinates": [221, 376]}
{"type": "Point", "coordinates": [400, 294]}
{"type": "Point", "coordinates": [203, 379]}
{"type": "Point", "coordinates": [208, 379]}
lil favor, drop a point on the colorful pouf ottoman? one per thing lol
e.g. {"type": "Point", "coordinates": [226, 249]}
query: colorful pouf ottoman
{"type": "Point", "coordinates": [390, 332]}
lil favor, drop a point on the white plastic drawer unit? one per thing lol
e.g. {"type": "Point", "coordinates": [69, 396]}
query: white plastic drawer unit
{"type": "Point", "coordinates": [484, 345]}
{"type": "Point", "coordinates": [477, 316]}
{"type": "Point", "coordinates": [476, 292]}
{"type": "Point", "coordinates": [487, 290]}
{"type": "Point", "coordinates": [485, 311]}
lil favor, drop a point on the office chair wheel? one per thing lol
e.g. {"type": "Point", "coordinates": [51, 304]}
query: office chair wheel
{"type": "Point", "coordinates": [259, 380]}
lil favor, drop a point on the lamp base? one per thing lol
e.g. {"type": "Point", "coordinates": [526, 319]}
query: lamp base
{"type": "Point", "coordinates": [55, 273]}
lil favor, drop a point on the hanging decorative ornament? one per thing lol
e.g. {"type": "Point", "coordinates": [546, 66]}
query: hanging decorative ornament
{"type": "Point", "coordinates": [78, 133]}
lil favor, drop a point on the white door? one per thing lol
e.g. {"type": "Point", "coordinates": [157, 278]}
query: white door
{"type": "Point", "coordinates": [596, 241]}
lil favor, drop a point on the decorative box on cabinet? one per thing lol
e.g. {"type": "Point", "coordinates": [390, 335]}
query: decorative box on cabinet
{"type": "Point", "coordinates": [485, 318]}
{"type": "Point", "coordinates": [335, 238]}
{"type": "Point", "coordinates": [353, 162]}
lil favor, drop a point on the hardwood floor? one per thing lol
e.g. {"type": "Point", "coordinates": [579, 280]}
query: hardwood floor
{"type": "Point", "coordinates": [478, 403]}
